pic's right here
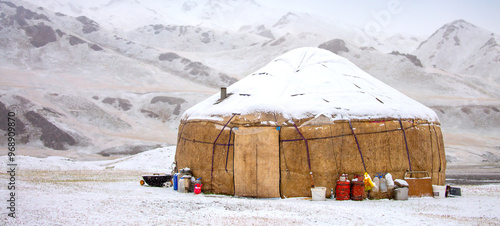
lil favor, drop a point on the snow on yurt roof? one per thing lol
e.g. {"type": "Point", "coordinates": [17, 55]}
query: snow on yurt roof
{"type": "Point", "coordinates": [308, 82]}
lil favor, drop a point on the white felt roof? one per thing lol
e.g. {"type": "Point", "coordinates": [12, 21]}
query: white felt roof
{"type": "Point", "coordinates": [309, 82]}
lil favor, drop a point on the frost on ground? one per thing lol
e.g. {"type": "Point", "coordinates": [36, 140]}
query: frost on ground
{"type": "Point", "coordinates": [61, 191]}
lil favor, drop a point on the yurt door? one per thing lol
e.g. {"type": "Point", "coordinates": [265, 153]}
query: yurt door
{"type": "Point", "coordinates": [256, 162]}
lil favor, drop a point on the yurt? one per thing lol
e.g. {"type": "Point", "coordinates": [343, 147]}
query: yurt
{"type": "Point", "coordinates": [301, 121]}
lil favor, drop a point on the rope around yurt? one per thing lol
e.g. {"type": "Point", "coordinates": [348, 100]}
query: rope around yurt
{"type": "Point", "coordinates": [406, 143]}
{"type": "Point", "coordinates": [308, 157]}
{"type": "Point", "coordinates": [357, 143]}
{"type": "Point", "coordinates": [213, 148]}
{"type": "Point", "coordinates": [438, 146]}
{"type": "Point", "coordinates": [228, 146]}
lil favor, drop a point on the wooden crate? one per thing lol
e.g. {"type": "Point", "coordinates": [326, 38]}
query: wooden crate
{"type": "Point", "coordinates": [420, 183]}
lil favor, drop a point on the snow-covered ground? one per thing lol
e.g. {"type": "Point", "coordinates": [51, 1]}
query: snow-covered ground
{"type": "Point", "coordinates": [62, 191]}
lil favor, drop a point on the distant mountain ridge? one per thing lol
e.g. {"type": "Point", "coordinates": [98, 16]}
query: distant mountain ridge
{"type": "Point", "coordinates": [116, 90]}
{"type": "Point", "coordinates": [463, 48]}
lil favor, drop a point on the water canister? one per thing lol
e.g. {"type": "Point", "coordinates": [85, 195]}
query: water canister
{"type": "Point", "coordinates": [389, 181]}
{"type": "Point", "coordinates": [383, 184]}
{"type": "Point", "coordinates": [376, 182]}
{"type": "Point", "coordinates": [175, 181]}
{"type": "Point", "coordinates": [357, 190]}
{"type": "Point", "coordinates": [187, 182]}
{"type": "Point", "coordinates": [342, 190]}
{"type": "Point", "coordinates": [181, 188]}
{"type": "Point", "coordinates": [182, 173]}
{"type": "Point", "coordinates": [179, 177]}
{"type": "Point", "coordinates": [197, 188]}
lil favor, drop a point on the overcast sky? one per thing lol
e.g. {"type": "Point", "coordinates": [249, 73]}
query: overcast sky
{"type": "Point", "coordinates": [421, 17]}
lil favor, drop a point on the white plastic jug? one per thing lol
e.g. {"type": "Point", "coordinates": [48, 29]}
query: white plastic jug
{"type": "Point", "coordinates": [389, 181]}
{"type": "Point", "coordinates": [181, 187]}
{"type": "Point", "coordinates": [383, 184]}
{"type": "Point", "coordinates": [376, 182]}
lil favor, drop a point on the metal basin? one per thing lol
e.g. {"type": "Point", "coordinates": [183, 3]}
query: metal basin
{"type": "Point", "coordinates": [157, 180]}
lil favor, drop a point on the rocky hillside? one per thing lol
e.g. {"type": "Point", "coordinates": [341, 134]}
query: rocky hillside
{"type": "Point", "coordinates": [470, 52]}
{"type": "Point", "coordinates": [75, 86]}
{"type": "Point", "coordinates": [84, 78]}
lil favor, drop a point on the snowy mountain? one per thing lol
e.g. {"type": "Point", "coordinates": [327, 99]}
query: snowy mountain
{"type": "Point", "coordinates": [64, 40]}
{"type": "Point", "coordinates": [191, 38]}
{"type": "Point", "coordinates": [71, 82]}
{"type": "Point", "coordinates": [467, 50]}
{"type": "Point", "coordinates": [211, 13]}
{"type": "Point", "coordinates": [111, 77]}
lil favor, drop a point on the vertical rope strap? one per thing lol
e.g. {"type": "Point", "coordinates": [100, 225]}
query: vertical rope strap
{"type": "Point", "coordinates": [308, 157]}
{"type": "Point", "coordinates": [174, 170]}
{"type": "Point", "coordinates": [406, 143]}
{"type": "Point", "coordinates": [439, 154]}
{"type": "Point", "coordinates": [228, 146]}
{"type": "Point", "coordinates": [357, 143]}
{"type": "Point", "coordinates": [213, 149]}
{"type": "Point", "coordinates": [182, 130]}
{"type": "Point", "coordinates": [438, 146]}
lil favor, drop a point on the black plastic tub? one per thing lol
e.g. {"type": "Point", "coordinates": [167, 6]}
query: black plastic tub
{"type": "Point", "coordinates": [157, 180]}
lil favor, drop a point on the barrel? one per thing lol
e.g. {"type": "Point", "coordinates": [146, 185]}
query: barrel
{"type": "Point", "coordinates": [358, 190]}
{"type": "Point", "coordinates": [342, 190]}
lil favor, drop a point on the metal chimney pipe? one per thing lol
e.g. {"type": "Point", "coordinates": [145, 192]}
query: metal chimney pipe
{"type": "Point", "coordinates": [223, 93]}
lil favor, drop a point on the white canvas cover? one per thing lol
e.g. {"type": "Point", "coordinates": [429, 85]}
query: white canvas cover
{"type": "Point", "coordinates": [309, 82]}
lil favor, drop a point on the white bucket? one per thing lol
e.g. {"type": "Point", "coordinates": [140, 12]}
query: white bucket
{"type": "Point", "coordinates": [439, 191]}
{"type": "Point", "coordinates": [318, 194]}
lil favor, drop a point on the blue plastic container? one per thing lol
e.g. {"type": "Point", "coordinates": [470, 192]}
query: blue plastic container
{"type": "Point", "coordinates": [175, 181]}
